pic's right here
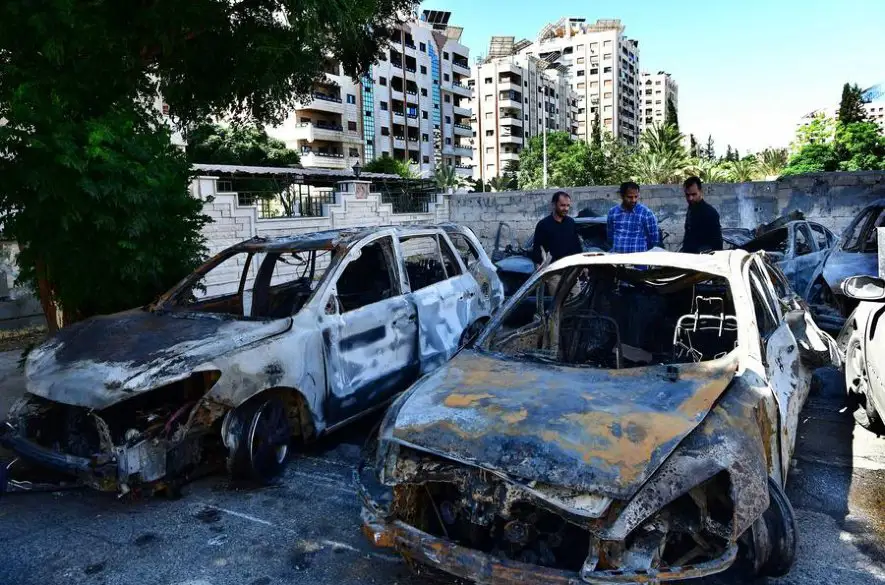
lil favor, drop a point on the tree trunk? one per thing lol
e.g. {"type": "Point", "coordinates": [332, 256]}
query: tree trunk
{"type": "Point", "coordinates": [47, 300]}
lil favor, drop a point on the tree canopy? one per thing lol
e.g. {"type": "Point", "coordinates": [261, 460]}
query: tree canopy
{"type": "Point", "coordinates": [93, 191]}
{"type": "Point", "coordinates": [237, 145]}
{"type": "Point", "coordinates": [851, 105]}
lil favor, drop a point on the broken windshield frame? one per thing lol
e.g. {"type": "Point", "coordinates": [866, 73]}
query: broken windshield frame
{"type": "Point", "coordinates": [610, 317]}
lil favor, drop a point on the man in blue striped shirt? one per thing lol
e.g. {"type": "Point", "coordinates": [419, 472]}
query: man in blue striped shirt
{"type": "Point", "coordinates": [632, 227]}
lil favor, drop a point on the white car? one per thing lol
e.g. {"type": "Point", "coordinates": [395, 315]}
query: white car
{"type": "Point", "coordinates": [638, 428]}
{"type": "Point", "coordinates": [862, 337]}
{"type": "Point", "coordinates": [270, 339]}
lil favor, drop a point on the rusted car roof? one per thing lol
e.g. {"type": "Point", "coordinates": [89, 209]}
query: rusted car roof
{"type": "Point", "coordinates": [327, 239]}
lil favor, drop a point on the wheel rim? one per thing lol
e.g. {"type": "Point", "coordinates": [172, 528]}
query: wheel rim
{"type": "Point", "coordinates": [854, 369]}
{"type": "Point", "coordinates": [268, 437]}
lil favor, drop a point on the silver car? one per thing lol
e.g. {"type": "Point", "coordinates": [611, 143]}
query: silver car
{"type": "Point", "coordinates": [273, 338]}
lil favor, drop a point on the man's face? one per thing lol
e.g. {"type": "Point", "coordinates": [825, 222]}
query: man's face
{"type": "Point", "coordinates": [630, 198]}
{"type": "Point", "coordinates": [693, 194]}
{"type": "Point", "coordinates": [562, 205]}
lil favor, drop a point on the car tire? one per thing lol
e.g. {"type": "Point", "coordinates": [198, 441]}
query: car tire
{"type": "Point", "coordinates": [773, 537]}
{"type": "Point", "coordinates": [260, 449]}
{"type": "Point", "coordinates": [858, 387]}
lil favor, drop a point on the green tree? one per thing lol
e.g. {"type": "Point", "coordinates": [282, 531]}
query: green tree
{"type": "Point", "coordinates": [743, 170]}
{"type": "Point", "coordinates": [501, 183]}
{"type": "Point", "coordinates": [237, 145]}
{"type": "Point", "coordinates": [596, 135]}
{"type": "Point", "coordinates": [531, 159]}
{"type": "Point", "coordinates": [851, 108]}
{"type": "Point", "coordinates": [772, 162]}
{"type": "Point", "coordinates": [92, 190]}
{"type": "Point", "coordinates": [710, 151]}
{"type": "Point", "coordinates": [709, 171]}
{"type": "Point", "coordinates": [661, 157]}
{"type": "Point", "coordinates": [694, 151]}
{"type": "Point", "coordinates": [860, 146]}
{"type": "Point", "coordinates": [446, 177]}
{"type": "Point", "coordinates": [813, 150]}
{"type": "Point", "coordinates": [390, 166]}
{"type": "Point", "coordinates": [671, 118]}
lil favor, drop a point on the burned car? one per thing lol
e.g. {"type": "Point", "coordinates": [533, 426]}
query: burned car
{"type": "Point", "coordinates": [864, 351]}
{"type": "Point", "coordinates": [272, 339]}
{"type": "Point", "coordinates": [855, 254]}
{"type": "Point", "coordinates": [639, 429]}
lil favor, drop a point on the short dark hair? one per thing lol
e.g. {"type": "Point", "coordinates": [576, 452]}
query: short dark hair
{"type": "Point", "coordinates": [693, 181]}
{"type": "Point", "coordinates": [626, 186]}
{"type": "Point", "coordinates": [559, 194]}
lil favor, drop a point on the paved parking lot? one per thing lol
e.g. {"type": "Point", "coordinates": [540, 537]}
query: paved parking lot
{"type": "Point", "coordinates": [306, 530]}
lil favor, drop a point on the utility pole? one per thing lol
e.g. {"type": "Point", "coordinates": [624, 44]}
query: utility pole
{"type": "Point", "coordinates": [544, 131]}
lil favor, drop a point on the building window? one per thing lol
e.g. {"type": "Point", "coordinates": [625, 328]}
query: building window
{"type": "Point", "coordinates": [384, 106]}
{"type": "Point", "coordinates": [607, 44]}
{"type": "Point", "coordinates": [594, 71]}
{"type": "Point", "coordinates": [423, 92]}
{"type": "Point", "coordinates": [448, 140]}
{"type": "Point", "coordinates": [490, 132]}
{"type": "Point", "coordinates": [487, 80]}
{"type": "Point", "coordinates": [423, 70]}
{"type": "Point", "coordinates": [368, 113]}
{"type": "Point", "coordinates": [423, 47]}
{"type": "Point", "coordinates": [426, 159]}
{"type": "Point", "coordinates": [354, 152]}
{"type": "Point", "coordinates": [607, 57]}
{"type": "Point", "coordinates": [351, 99]}
{"type": "Point", "coordinates": [385, 131]}
{"type": "Point", "coordinates": [446, 77]}
{"type": "Point", "coordinates": [448, 119]}
{"type": "Point", "coordinates": [657, 83]}
{"type": "Point", "coordinates": [425, 138]}
{"type": "Point", "coordinates": [448, 99]}
{"type": "Point", "coordinates": [382, 81]}
{"type": "Point", "coordinates": [608, 95]}
{"type": "Point", "coordinates": [594, 84]}
{"type": "Point", "coordinates": [351, 126]}
{"type": "Point", "coordinates": [488, 98]}
{"type": "Point", "coordinates": [607, 70]}
{"type": "Point", "coordinates": [424, 114]}
{"type": "Point", "coordinates": [488, 115]}
{"type": "Point", "coordinates": [607, 83]}
{"type": "Point", "coordinates": [582, 85]}
{"type": "Point", "coordinates": [580, 60]}
{"type": "Point", "coordinates": [580, 47]}
{"type": "Point", "coordinates": [580, 73]}
{"type": "Point", "coordinates": [445, 56]}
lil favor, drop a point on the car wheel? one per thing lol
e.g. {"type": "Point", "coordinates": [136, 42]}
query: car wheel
{"type": "Point", "coordinates": [260, 447]}
{"type": "Point", "coordinates": [470, 333]}
{"type": "Point", "coordinates": [858, 387]}
{"type": "Point", "coordinates": [773, 538]}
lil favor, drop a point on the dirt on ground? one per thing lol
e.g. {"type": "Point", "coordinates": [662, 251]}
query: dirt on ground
{"type": "Point", "coordinates": [17, 339]}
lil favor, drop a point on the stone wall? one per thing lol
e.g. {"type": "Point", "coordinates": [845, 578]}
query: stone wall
{"type": "Point", "coordinates": [831, 199]}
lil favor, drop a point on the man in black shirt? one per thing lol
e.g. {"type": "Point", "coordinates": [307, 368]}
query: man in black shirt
{"type": "Point", "coordinates": [703, 232]}
{"type": "Point", "coordinates": [557, 234]}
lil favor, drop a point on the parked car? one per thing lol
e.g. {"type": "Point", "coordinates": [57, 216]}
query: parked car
{"type": "Point", "coordinates": [797, 247]}
{"type": "Point", "coordinates": [855, 254]}
{"type": "Point", "coordinates": [639, 429]}
{"type": "Point", "coordinates": [865, 350]}
{"type": "Point", "coordinates": [271, 339]}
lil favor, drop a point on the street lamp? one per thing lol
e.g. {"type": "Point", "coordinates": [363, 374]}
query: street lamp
{"type": "Point", "coordinates": [356, 169]}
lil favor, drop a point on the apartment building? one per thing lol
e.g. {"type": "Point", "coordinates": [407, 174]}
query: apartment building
{"type": "Point", "coordinates": [656, 90]}
{"type": "Point", "coordinates": [875, 107]}
{"type": "Point", "coordinates": [603, 69]}
{"type": "Point", "coordinates": [413, 105]}
{"type": "Point", "coordinates": [516, 97]}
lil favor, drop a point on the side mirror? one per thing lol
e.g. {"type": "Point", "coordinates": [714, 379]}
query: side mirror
{"type": "Point", "coordinates": [863, 288]}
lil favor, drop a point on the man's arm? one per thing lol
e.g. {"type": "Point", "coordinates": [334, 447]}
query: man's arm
{"type": "Point", "coordinates": [651, 230]}
{"type": "Point", "coordinates": [715, 230]}
{"type": "Point", "coordinates": [538, 241]}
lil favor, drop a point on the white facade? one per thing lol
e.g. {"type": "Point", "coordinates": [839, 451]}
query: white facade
{"type": "Point", "coordinates": [656, 89]}
{"type": "Point", "coordinates": [511, 94]}
{"type": "Point", "coordinates": [412, 106]}
{"type": "Point", "coordinates": [603, 70]}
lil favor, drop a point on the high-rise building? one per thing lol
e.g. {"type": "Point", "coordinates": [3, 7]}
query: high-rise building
{"type": "Point", "coordinates": [413, 105]}
{"type": "Point", "coordinates": [603, 70]}
{"type": "Point", "coordinates": [512, 92]}
{"type": "Point", "coordinates": [655, 92]}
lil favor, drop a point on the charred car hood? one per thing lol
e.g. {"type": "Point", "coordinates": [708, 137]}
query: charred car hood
{"type": "Point", "coordinates": [598, 431]}
{"type": "Point", "coordinates": [107, 359]}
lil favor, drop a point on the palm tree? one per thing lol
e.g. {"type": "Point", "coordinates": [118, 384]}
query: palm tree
{"type": "Point", "coordinates": [446, 177]}
{"type": "Point", "coordinates": [501, 183]}
{"type": "Point", "coordinates": [772, 163]}
{"type": "Point", "coordinates": [743, 170]}
{"type": "Point", "coordinates": [709, 171]}
{"type": "Point", "coordinates": [661, 157]}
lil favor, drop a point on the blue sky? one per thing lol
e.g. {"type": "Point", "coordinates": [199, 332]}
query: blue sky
{"type": "Point", "coordinates": [747, 70]}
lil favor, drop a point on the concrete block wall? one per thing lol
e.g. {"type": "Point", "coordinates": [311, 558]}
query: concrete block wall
{"type": "Point", "coordinates": [832, 199]}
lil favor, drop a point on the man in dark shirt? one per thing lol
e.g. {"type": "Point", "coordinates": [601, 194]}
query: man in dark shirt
{"type": "Point", "coordinates": [703, 232]}
{"type": "Point", "coordinates": [557, 234]}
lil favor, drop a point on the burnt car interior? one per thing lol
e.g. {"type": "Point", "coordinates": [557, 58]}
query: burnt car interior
{"type": "Point", "coordinates": [368, 278]}
{"type": "Point", "coordinates": [616, 317]}
{"type": "Point", "coordinates": [774, 241]}
{"type": "Point", "coordinates": [254, 285]}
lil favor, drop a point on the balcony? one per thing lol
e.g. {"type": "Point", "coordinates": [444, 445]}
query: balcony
{"type": "Point", "coordinates": [463, 130]}
{"type": "Point", "coordinates": [464, 170]}
{"type": "Point", "coordinates": [399, 116]}
{"type": "Point", "coordinates": [509, 156]}
{"type": "Point", "coordinates": [460, 150]}
{"type": "Point", "coordinates": [509, 85]}
{"type": "Point", "coordinates": [511, 120]}
{"type": "Point", "coordinates": [461, 67]}
{"type": "Point", "coordinates": [510, 139]}
{"type": "Point", "coordinates": [323, 160]}
{"type": "Point", "coordinates": [323, 102]}
{"type": "Point", "coordinates": [399, 142]}
{"type": "Point", "coordinates": [463, 112]}
{"type": "Point", "coordinates": [461, 90]}
{"type": "Point", "coordinates": [310, 131]}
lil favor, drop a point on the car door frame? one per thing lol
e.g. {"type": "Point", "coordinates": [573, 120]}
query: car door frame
{"type": "Point", "coordinates": [780, 358]}
{"type": "Point", "coordinates": [345, 392]}
{"type": "Point", "coordinates": [438, 324]}
{"type": "Point", "coordinates": [806, 263]}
